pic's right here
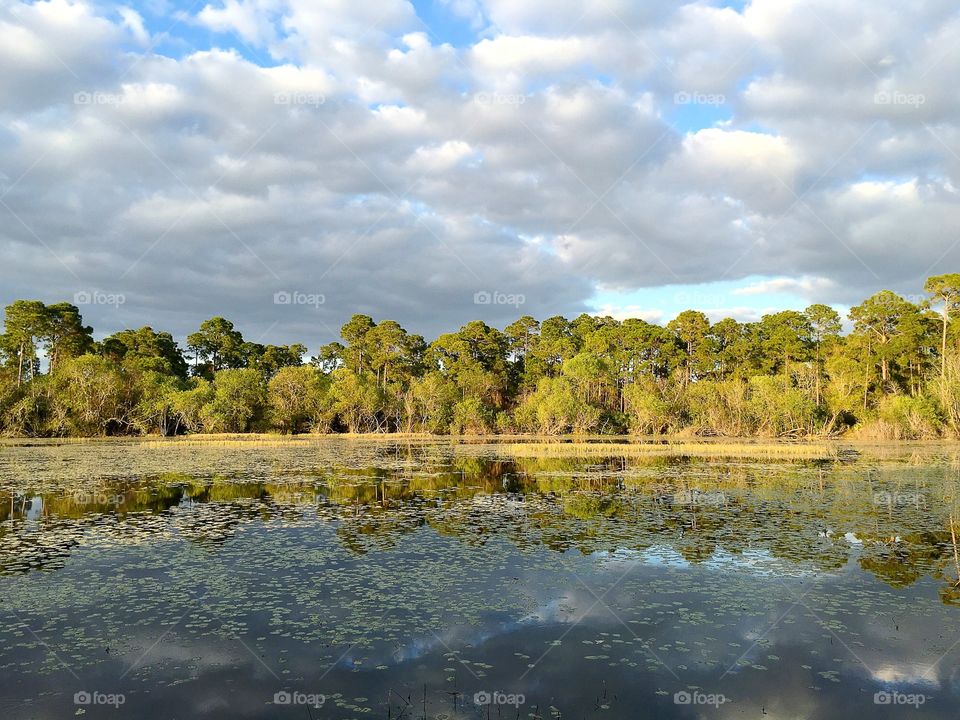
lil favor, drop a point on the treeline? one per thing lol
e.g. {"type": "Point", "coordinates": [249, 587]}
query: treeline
{"type": "Point", "coordinates": [896, 375]}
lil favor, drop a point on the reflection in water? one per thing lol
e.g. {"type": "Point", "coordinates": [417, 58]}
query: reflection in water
{"type": "Point", "coordinates": [798, 513]}
{"type": "Point", "coordinates": [446, 571]}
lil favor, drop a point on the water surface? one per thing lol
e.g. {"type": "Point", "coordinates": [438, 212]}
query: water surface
{"type": "Point", "coordinates": [392, 579]}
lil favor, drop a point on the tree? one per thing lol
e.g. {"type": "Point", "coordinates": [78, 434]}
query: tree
{"type": "Point", "coordinates": [157, 351]}
{"type": "Point", "coordinates": [825, 325]}
{"type": "Point", "coordinates": [217, 342]}
{"type": "Point", "coordinates": [878, 318]}
{"type": "Point", "coordinates": [24, 324]}
{"type": "Point", "coordinates": [355, 333]}
{"type": "Point", "coordinates": [692, 329]}
{"type": "Point", "coordinates": [239, 398]}
{"type": "Point", "coordinates": [270, 359]}
{"type": "Point", "coordinates": [356, 400]}
{"type": "Point", "coordinates": [90, 397]}
{"type": "Point", "coordinates": [296, 397]}
{"type": "Point", "coordinates": [945, 292]}
{"type": "Point", "coordinates": [64, 334]}
{"type": "Point", "coordinates": [785, 339]}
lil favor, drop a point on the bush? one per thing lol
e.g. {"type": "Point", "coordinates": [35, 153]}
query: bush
{"type": "Point", "coordinates": [778, 408]}
{"type": "Point", "coordinates": [296, 397]}
{"type": "Point", "coordinates": [654, 408]}
{"type": "Point", "coordinates": [554, 408]}
{"type": "Point", "coordinates": [239, 399]}
{"type": "Point", "coordinates": [900, 417]}
{"type": "Point", "coordinates": [719, 408]}
{"type": "Point", "coordinates": [472, 417]}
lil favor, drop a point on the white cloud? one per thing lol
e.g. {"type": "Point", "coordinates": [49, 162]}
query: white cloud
{"type": "Point", "coordinates": [625, 312]}
{"type": "Point", "coordinates": [341, 147]}
{"type": "Point", "coordinates": [804, 286]}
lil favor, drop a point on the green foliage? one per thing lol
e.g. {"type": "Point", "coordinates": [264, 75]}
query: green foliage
{"type": "Point", "coordinates": [90, 397]}
{"type": "Point", "coordinates": [217, 343]}
{"type": "Point", "coordinates": [790, 373]}
{"type": "Point", "coordinates": [239, 399]}
{"type": "Point", "coordinates": [296, 397]}
{"type": "Point", "coordinates": [777, 407]}
{"type": "Point", "coordinates": [155, 351]}
{"type": "Point", "coordinates": [556, 407]}
{"type": "Point", "coordinates": [429, 404]}
{"type": "Point", "coordinates": [356, 401]}
{"type": "Point", "coordinates": [472, 417]}
{"type": "Point", "coordinates": [900, 417]}
{"type": "Point", "coordinates": [654, 407]}
{"type": "Point", "coordinates": [719, 408]}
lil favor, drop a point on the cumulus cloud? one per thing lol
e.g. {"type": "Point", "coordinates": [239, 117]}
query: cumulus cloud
{"type": "Point", "coordinates": [804, 286]}
{"type": "Point", "coordinates": [345, 149]}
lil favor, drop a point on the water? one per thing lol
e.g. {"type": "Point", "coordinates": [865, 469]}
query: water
{"type": "Point", "coordinates": [348, 579]}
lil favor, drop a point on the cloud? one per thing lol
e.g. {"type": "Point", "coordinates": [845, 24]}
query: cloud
{"type": "Point", "coordinates": [804, 286]}
{"type": "Point", "coordinates": [624, 312]}
{"type": "Point", "coordinates": [344, 149]}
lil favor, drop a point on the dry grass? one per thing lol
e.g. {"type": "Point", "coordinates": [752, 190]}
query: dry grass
{"type": "Point", "coordinates": [797, 450]}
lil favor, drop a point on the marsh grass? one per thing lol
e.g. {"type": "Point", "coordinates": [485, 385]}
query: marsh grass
{"type": "Point", "coordinates": [800, 451]}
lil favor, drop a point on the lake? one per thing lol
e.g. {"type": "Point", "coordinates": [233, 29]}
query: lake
{"type": "Point", "coordinates": [394, 578]}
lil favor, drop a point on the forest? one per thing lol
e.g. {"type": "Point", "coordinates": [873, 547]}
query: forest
{"type": "Point", "coordinates": [894, 375]}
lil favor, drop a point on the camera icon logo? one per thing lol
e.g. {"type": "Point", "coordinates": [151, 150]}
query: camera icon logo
{"type": "Point", "coordinates": [482, 298]}
{"type": "Point", "coordinates": [482, 698]}
{"type": "Point", "coordinates": [282, 698]}
{"type": "Point", "coordinates": [682, 698]}
{"type": "Point", "coordinates": [282, 298]}
{"type": "Point", "coordinates": [82, 698]}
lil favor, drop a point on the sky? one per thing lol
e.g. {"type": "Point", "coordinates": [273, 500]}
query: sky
{"type": "Point", "coordinates": [287, 163]}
